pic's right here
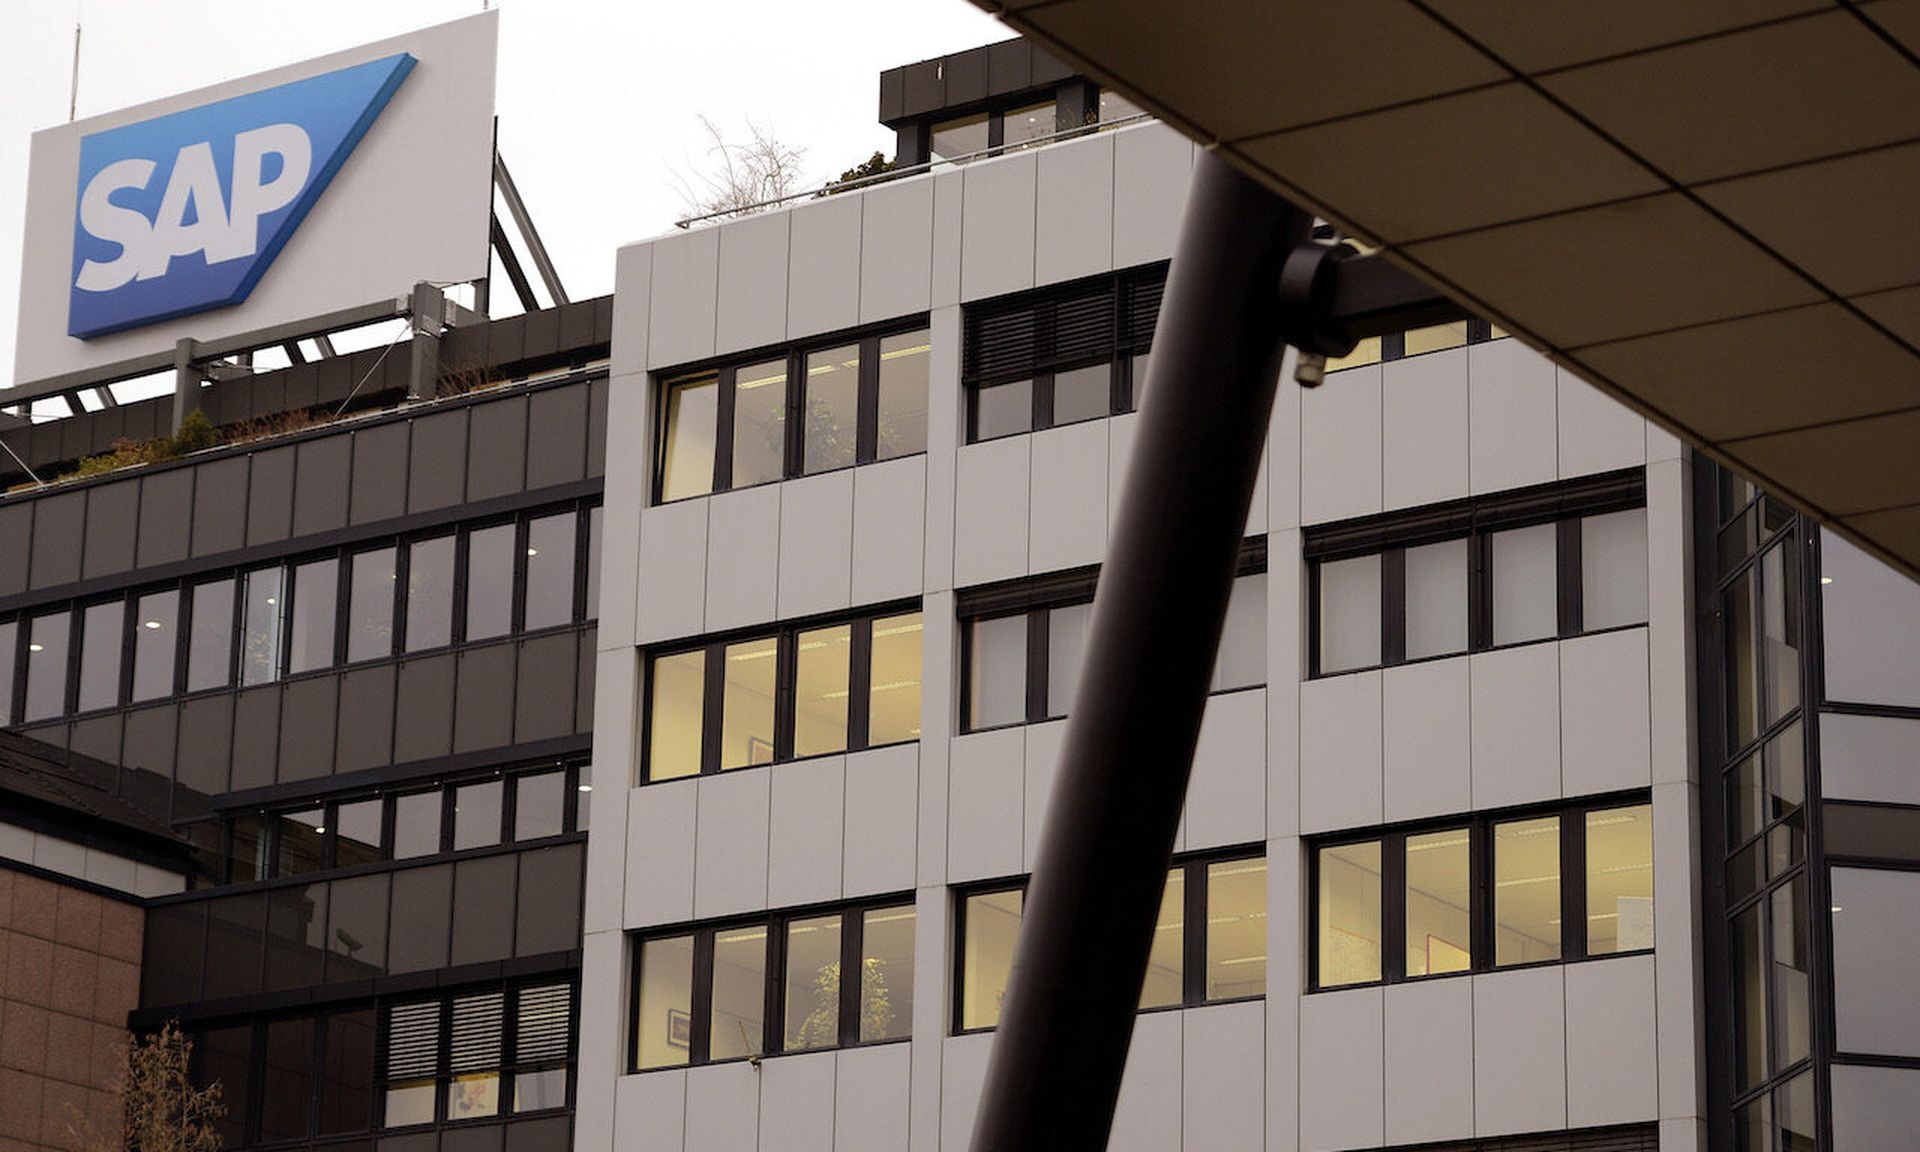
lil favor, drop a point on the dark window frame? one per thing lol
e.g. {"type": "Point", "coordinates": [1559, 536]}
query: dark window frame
{"type": "Point", "coordinates": [1035, 598]}
{"type": "Point", "coordinates": [794, 355]}
{"type": "Point", "coordinates": [1476, 520]}
{"type": "Point", "coordinates": [510, 1063]}
{"type": "Point", "coordinates": [1479, 825]}
{"type": "Point", "coordinates": [1193, 940]}
{"type": "Point", "coordinates": [773, 1014]}
{"type": "Point", "coordinates": [786, 637]}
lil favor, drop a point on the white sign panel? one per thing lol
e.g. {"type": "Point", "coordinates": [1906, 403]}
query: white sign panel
{"type": "Point", "coordinates": [325, 185]}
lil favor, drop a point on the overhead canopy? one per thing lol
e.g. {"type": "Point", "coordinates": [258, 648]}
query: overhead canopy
{"type": "Point", "coordinates": [1711, 210]}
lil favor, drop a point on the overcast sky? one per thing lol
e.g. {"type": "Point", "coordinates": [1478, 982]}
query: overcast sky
{"type": "Point", "coordinates": [597, 99]}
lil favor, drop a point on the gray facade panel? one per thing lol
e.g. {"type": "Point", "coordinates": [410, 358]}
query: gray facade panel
{"type": "Point", "coordinates": [16, 531]}
{"type": "Point", "coordinates": [111, 513]}
{"type": "Point", "coordinates": [423, 725]}
{"type": "Point", "coordinates": [422, 905]}
{"type": "Point", "coordinates": [366, 719]}
{"type": "Point", "coordinates": [166, 516]}
{"type": "Point", "coordinates": [583, 688]}
{"type": "Point", "coordinates": [148, 746]}
{"type": "Point", "coordinates": [206, 742]}
{"type": "Point", "coordinates": [437, 469]}
{"type": "Point", "coordinates": [483, 910]}
{"type": "Point", "coordinates": [597, 428]}
{"type": "Point", "coordinates": [543, 704]}
{"type": "Point", "coordinates": [98, 737]}
{"type": "Point", "coordinates": [379, 473]}
{"type": "Point", "coordinates": [320, 485]}
{"type": "Point", "coordinates": [549, 913]}
{"type": "Point", "coordinates": [557, 436]}
{"type": "Point", "coordinates": [306, 728]}
{"type": "Point", "coordinates": [544, 1135]}
{"type": "Point", "coordinates": [497, 449]}
{"type": "Point", "coordinates": [57, 525]}
{"type": "Point", "coordinates": [485, 1138]}
{"type": "Point", "coordinates": [483, 717]}
{"type": "Point", "coordinates": [270, 497]}
{"type": "Point", "coordinates": [256, 736]}
{"type": "Point", "coordinates": [220, 506]}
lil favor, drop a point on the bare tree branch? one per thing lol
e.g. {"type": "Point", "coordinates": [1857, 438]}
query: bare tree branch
{"type": "Point", "coordinates": [738, 177]}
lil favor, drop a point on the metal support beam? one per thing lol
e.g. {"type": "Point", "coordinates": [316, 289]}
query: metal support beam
{"type": "Point", "coordinates": [1090, 908]}
{"type": "Point", "coordinates": [523, 222]}
{"type": "Point", "coordinates": [423, 369]}
{"type": "Point", "coordinates": [510, 263]}
{"type": "Point", "coordinates": [186, 381]}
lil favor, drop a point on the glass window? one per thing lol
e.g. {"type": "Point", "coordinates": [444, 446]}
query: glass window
{"type": "Point", "coordinates": [1613, 569]}
{"type": "Point", "coordinates": [413, 1055]}
{"type": "Point", "coordinates": [541, 1036]}
{"type": "Point", "coordinates": [1870, 621]}
{"type": "Point", "coordinates": [1525, 584]}
{"type": "Point", "coordinates": [1082, 394]}
{"type": "Point", "coordinates": [1236, 929]}
{"type": "Point", "coordinates": [813, 983]}
{"type": "Point", "coordinates": [663, 1035]}
{"type": "Point", "coordinates": [1739, 611]}
{"type": "Point", "coordinates": [1439, 902]}
{"type": "Point", "coordinates": [963, 137]}
{"type": "Point", "coordinates": [1349, 928]}
{"type": "Point", "coordinates": [316, 590]}
{"type": "Point", "coordinates": [287, 1079]}
{"type": "Point", "coordinates": [903, 394]}
{"type": "Point", "coordinates": [1780, 629]}
{"type": "Point", "coordinates": [102, 639]}
{"type": "Point", "coordinates": [416, 825]}
{"type": "Point", "coordinates": [1165, 985]}
{"type": "Point", "coordinates": [1526, 891]}
{"type": "Point", "coordinates": [746, 711]}
{"type": "Point", "coordinates": [593, 562]}
{"type": "Point", "coordinates": [1787, 916]}
{"type": "Point", "coordinates": [476, 814]}
{"type": "Point", "coordinates": [1024, 125]}
{"type": "Point", "coordinates": [429, 593]}
{"type": "Point", "coordinates": [1436, 338]}
{"type": "Point", "coordinates": [1349, 614]}
{"type": "Point", "coordinates": [1066, 651]}
{"type": "Point", "coordinates": [346, 1076]}
{"type": "Point", "coordinates": [1619, 880]}
{"type": "Point", "coordinates": [225, 1056]}
{"type": "Point", "coordinates": [691, 416]}
{"type": "Point", "coordinates": [583, 798]}
{"type": "Point", "coordinates": [246, 856]}
{"type": "Point", "coordinates": [473, 1056]}
{"type": "Point", "coordinates": [550, 570]}
{"type": "Point", "coordinates": [832, 408]}
{"type": "Point", "coordinates": [47, 665]}
{"type": "Point", "coordinates": [156, 637]}
{"type": "Point", "coordinates": [370, 605]}
{"type": "Point", "coordinates": [1242, 661]}
{"type": "Point", "coordinates": [1875, 937]}
{"type": "Point", "coordinates": [997, 671]}
{"type": "Point", "coordinates": [300, 844]}
{"type": "Point", "coordinates": [992, 920]}
{"type": "Point", "coordinates": [1749, 966]}
{"type": "Point", "coordinates": [9, 652]}
{"type": "Point", "coordinates": [539, 805]}
{"type": "Point", "coordinates": [260, 647]}
{"type": "Point", "coordinates": [356, 833]}
{"type": "Point", "coordinates": [886, 974]}
{"type": "Point", "coordinates": [490, 582]}
{"type": "Point", "coordinates": [357, 928]}
{"type": "Point", "coordinates": [674, 721]}
{"type": "Point", "coordinates": [820, 690]}
{"type": "Point", "coordinates": [738, 1020]}
{"type": "Point", "coordinates": [893, 713]}
{"type": "Point", "coordinates": [1003, 409]}
{"type": "Point", "coordinates": [759, 423]}
{"type": "Point", "coordinates": [1436, 599]}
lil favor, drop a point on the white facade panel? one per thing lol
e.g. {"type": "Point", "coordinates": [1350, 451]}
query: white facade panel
{"type": "Point", "coordinates": [1342, 1070]}
{"type": "Point", "coordinates": [1073, 210]}
{"type": "Point", "coordinates": [599, 1059]}
{"type": "Point", "coordinates": [1605, 727]}
{"type": "Point", "coordinates": [1869, 758]}
{"type": "Point", "coordinates": [685, 298]}
{"type": "Point", "coordinates": [730, 843]}
{"type": "Point", "coordinates": [1120, 434]}
{"type": "Point", "coordinates": [1875, 1109]}
{"type": "Point", "coordinates": [882, 798]}
{"type": "Point", "coordinates": [627, 482]}
{"type": "Point", "coordinates": [1340, 447]}
{"type": "Point", "coordinates": [1227, 792]}
{"type": "Point", "coordinates": [723, 1108]}
{"type": "Point", "coordinates": [1516, 725]}
{"type": "Point", "coordinates": [1597, 432]}
{"type": "Point", "coordinates": [750, 310]}
{"type": "Point", "coordinates": [963, 1072]}
{"type": "Point", "coordinates": [1068, 497]}
{"type": "Point", "coordinates": [1427, 742]}
{"type": "Point", "coordinates": [997, 226]}
{"type": "Point", "coordinates": [660, 850]}
{"type": "Point", "coordinates": [1043, 758]}
{"type": "Point", "coordinates": [986, 805]}
{"type": "Point", "coordinates": [824, 263]}
{"type": "Point", "coordinates": [615, 697]}
{"type": "Point", "coordinates": [990, 513]}
{"type": "Point", "coordinates": [1611, 1059]}
{"type": "Point", "coordinates": [1512, 426]}
{"type": "Point", "coordinates": [1429, 1030]}
{"type": "Point", "coordinates": [632, 304]}
{"type": "Point", "coordinates": [816, 543]}
{"type": "Point", "coordinates": [1223, 1063]}
{"type": "Point", "coordinates": [743, 557]}
{"type": "Point", "coordinates": [1152, 169]}
{"type": "Point", "coordinates": [797, 1103]}
{"type": "Point", "coordinates": [948, 189]}
{"type": "Point", "coordinates": [650, 1111]}
{"type": "Point", "coordinates": [1340, 752]}
{"type": "Point", "coordinates": [672, 591]}
{"type": "Point", "coordinates": [871, 1088]}
{"type": "Point", "coordinates": [804, 831]}
{"type": "Point", "coordinates": [896, 249]}
{"type": "Point", "coordinates": [1423, 403]}
{"type": "Point", "coordinates": [889, 530]}
{"type": "Point", "coordinates": [1519, 1051]}
{"type": "Point", "coordinates": [1147, 1117]}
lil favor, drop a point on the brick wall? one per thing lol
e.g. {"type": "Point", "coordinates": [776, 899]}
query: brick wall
{"type": "Point", "coordinates": [69, 974]}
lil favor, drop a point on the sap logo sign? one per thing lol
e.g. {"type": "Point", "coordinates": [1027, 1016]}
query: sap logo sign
{"type": "Point", "coordinates": [186, 212]}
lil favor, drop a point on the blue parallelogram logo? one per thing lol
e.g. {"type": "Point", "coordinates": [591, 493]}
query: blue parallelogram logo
{"type": "Point", "coordinates": [185, 212]}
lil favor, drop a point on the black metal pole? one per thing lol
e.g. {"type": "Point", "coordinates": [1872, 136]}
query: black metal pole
{"type": "Point", "coordinates": [1055, 1069]}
